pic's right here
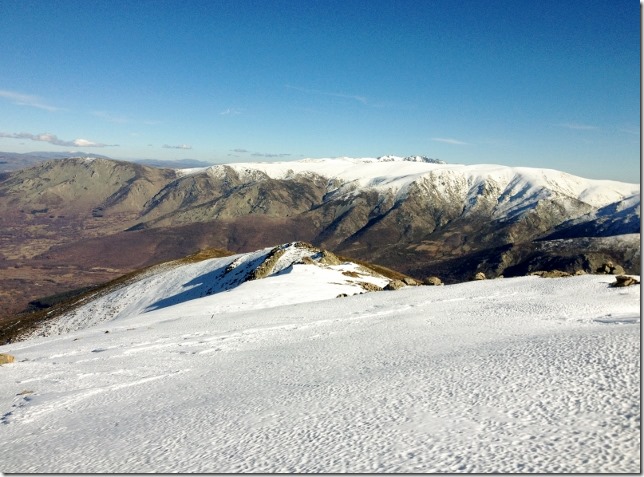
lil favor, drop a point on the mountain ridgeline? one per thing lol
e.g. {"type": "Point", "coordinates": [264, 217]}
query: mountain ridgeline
{"type": "Point", "coordinates": [416, 215]}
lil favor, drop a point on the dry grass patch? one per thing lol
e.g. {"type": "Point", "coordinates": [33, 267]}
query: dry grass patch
{"type": "Point", "coordinates": [6, 358]}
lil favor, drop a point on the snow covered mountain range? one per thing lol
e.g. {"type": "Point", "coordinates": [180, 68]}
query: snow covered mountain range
{"type": "Point", "coordinates": [415, 214]}
{"type": "Point", "coordinates": [258, 362]}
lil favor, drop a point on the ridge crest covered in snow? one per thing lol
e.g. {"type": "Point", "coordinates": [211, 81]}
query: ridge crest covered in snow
{"type": "Point", "coordinates": [321, 275]}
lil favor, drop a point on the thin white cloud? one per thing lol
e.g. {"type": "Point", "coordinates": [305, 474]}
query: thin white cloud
{"type": "Point", "coordinates": [180, 146]}
{"type": "Point", "coordinates": [26, 100]}
{"type": "Point", "coordinates": [578, 126]}
{"type": "Point", "coordinates": [230, 112]}
{"type": "Point", "coordinates": [110, 117]}
{"type": "Point", "coordinates": [236, 152]}
{"type": "Point", "coordinates": [53, 139]}
{"type": "Point", "coordinates": [355, 97]}
{"type": "Point", "coordinates": [448, 140]}
{"type": "Point", "coordinates": [266, 154]}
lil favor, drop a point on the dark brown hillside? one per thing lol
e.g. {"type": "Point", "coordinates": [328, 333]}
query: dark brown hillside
{"type": "Point", "coordinates": [61, 201]}
{"type": "Point", "coordinates": [91, 261]}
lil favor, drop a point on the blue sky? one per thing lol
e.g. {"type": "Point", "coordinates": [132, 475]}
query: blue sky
{"type": "Point", "coordinates": [552, 84]}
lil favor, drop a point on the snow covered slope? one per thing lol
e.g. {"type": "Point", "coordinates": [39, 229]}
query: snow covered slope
{"type": "Point", "coordinates": [619, 218]}
{"type": "Point", "coordinates": [509, 375]}
{"type": "Point", "coordinates": [295, 272]}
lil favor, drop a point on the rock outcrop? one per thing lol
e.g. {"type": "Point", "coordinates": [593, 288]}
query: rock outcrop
{"type": "Point", "coordinates": [610, 268]}
{"type": "Point", "coordinates": [395, 285]}
{"type": "Point", "coordinates": [433, 281]}
{"type": "Point", "coordinates": [551, 274]}
{"type": "Point", "coordinates": [624, 281]}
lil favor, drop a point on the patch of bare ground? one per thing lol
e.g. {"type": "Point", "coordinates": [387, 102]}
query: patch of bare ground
{"type": "Point", "coordinates": [387, 272]}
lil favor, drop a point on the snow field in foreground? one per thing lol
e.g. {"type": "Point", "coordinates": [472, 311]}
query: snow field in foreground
{"type": "Point", "coordinates": [508, 375]}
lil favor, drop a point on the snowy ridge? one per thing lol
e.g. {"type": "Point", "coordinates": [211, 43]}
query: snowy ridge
{"type": "Point", "coordinates": [493, 192]}
{"type": "Point", "coordinates": [308, 273]}
{"type": "Point", "coordinates": [514, 188]}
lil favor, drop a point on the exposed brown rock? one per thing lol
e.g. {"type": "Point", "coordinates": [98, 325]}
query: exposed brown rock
{"type": "Point", "coordinates": [617, 270]}
{"type": "Point", "coordinates": [395, 285]}
{"type": "Point", "coordinates": [480, 276]}
{"type": "Point", "coordinates": [328, 258]}
{"type": "Point", "coordinates": [370, 287]}
{"type": "Point", "coordinates": [624, 281]}
{"type": "Point", "coordinates": [610, 268]}
{"type": "Point", "coordinates": [433, 281]}
{"type": "Point", "coordinates": [551, 274]}
{"type": "Point", "coordinates": [266, 267]}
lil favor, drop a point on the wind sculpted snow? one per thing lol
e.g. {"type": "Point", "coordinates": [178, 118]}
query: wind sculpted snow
{"type": "Point", "coordinates": [508, 375]}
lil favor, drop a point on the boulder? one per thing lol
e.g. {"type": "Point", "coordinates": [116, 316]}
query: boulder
{"type": "Point", "coordinates": [479, 276]}
{"type": "Point", "coordinates": [410, 281]}
{"type": "Point", "coordinates": [328, 258]}
{"type": "Point", "coordinates": [609, 268]}
{"type": "Point", "coordinates": [395, 285]}
{"type": "Point", "coordinates": [624, 281]}
{"type": "Point", "coordinates": [433, 281]}
{"type": "Point", "coordinates": [617, 270]}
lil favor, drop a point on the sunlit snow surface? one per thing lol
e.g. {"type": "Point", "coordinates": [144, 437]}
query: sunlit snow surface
{"type": "Point", "coordinates": [507, 375]}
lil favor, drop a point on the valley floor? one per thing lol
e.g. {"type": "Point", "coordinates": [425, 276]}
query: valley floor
{"type": "Point", "coordinates": [508, 375]}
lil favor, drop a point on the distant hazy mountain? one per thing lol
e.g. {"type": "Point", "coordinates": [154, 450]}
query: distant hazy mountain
{"type": "Point", "coordinates": [12, 161]}
{"type": "Point", "coordinates": [65, 155]}
{"type": "Point", "coordinates": [176, 164]}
